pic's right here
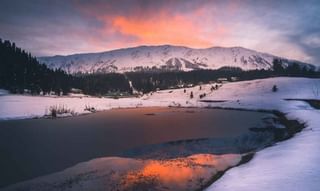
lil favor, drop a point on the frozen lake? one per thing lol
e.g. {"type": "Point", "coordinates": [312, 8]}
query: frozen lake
{"type": "Point", "coordinates": [35, 147]}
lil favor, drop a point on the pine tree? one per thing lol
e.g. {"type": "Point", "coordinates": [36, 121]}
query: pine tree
{"type": "Point", "coordinates": [277, 66]}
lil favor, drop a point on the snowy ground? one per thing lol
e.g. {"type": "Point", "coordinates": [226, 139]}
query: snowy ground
{"type": "Point", "coordinates": [20, 106]}
{"type": "Point", "coordinates": [254, 94]}
{"type": "Point", "coordinates": [3, 92]}
{"type": "Point", "coordinates": [289, 165]}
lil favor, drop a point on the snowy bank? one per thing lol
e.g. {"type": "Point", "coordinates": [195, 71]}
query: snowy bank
{"type": "Point", "coordinates": [255, 94]}
{"type": "Point", "coordinates": [21, 106]}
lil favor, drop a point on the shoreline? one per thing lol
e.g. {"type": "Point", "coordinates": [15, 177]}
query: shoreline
{"type": "Point", "coordinates": [293, 126]}
{"type": "Point", "coordinates": [246, 159]}
{"type": "Point", "coordinates": [271, 160]}
{"type": "Point", "coordinates": [112, 132]}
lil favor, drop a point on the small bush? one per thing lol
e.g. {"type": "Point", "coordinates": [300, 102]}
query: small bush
{"type": "Point", "coordinates": [202, 95]}
{"type": "Point", "coordinates": [56, 110]}
{"type": "Point", "coordinates": [274, 88]}
{"type": "Point", "coordinates": [90, 108]}
{"type": "Point", "coordinates": [191, 95]}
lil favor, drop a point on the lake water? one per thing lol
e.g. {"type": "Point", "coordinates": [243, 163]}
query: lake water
{"type": "Point", "coordinates": [35, 147]}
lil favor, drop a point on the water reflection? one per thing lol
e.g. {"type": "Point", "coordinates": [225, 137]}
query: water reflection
{"type": "Point", "coordinates": [187, 173]}
{"type": "Point", "coordinates": [115, 173]}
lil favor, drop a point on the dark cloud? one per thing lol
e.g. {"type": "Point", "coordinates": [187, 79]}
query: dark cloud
{"type": "Point", "coordinates": [295, 20]}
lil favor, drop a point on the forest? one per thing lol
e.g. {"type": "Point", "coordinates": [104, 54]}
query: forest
{"type": "Point", "coordinates": [20, 72]}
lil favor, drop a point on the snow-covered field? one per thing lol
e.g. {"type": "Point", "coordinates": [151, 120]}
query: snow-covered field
{"type": "Point", "coordinates": [254, 94]}
{"type": "Point", "coordinates": [20, 106]}
{"type": "Point", "coordinates": [288, 165]}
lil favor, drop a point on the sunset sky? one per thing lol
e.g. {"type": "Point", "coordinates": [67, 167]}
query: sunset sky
{"type": "Point", "coordinates": [286, 28]}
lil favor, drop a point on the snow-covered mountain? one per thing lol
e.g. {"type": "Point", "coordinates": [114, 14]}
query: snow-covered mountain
{"type": "Point", "coordinates": [165, 57]}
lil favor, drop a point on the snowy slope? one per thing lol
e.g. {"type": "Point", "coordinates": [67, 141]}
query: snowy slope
{"type": "Point", "coordinates": [291, 165]}
{"type": "Point", "coordinates": [161, 57]}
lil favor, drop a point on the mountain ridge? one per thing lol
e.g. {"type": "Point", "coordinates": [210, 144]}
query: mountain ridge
{"type": "Point", "coordinates": [164, 57]}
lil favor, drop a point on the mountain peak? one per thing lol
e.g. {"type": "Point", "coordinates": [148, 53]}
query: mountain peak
{"type": "Point", "coordinates": [166, 57]}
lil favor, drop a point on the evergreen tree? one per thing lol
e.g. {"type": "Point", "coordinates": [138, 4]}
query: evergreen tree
{"type": "Point", "coordinates": [278, 66]}
{"type": "Point", "coordinates": [20, 72]}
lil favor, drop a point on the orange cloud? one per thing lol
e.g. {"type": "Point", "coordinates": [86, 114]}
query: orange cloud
{"type": "Point", "coordinates": [164, 29]}
{"type": "Point", "coordinates": [198, 27]}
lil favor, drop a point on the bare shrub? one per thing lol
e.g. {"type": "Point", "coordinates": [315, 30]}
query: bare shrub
{"type": "Point", "coordinates": [90, 108]}
{"type": "Point", "coordinates": [56, 110]}
{"type": "Point", "coordinates": [274, 88]}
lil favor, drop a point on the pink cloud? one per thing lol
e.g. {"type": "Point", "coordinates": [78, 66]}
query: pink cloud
{"type": "Point", "coordinates": [160, 26]}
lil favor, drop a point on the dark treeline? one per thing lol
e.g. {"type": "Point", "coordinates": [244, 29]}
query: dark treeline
{"type": "Point", "coordinates": [150, 81]}
{"type": "Point", "coordinates": [294, 69]}
{"type": "Point", "coordinates": [102, 84]}
{"type": "Point", "coordinates": [21, 72]}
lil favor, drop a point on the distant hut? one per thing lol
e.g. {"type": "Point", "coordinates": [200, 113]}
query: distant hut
{"type": "Point", "coordinates": [222, 80]}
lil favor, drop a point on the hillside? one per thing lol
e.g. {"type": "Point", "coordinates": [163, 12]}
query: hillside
{"type": "Point", "coordinates": [165, 57]}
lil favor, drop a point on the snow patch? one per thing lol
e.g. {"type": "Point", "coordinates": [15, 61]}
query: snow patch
{"type": "Point", "coordinates": [3, 92]}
